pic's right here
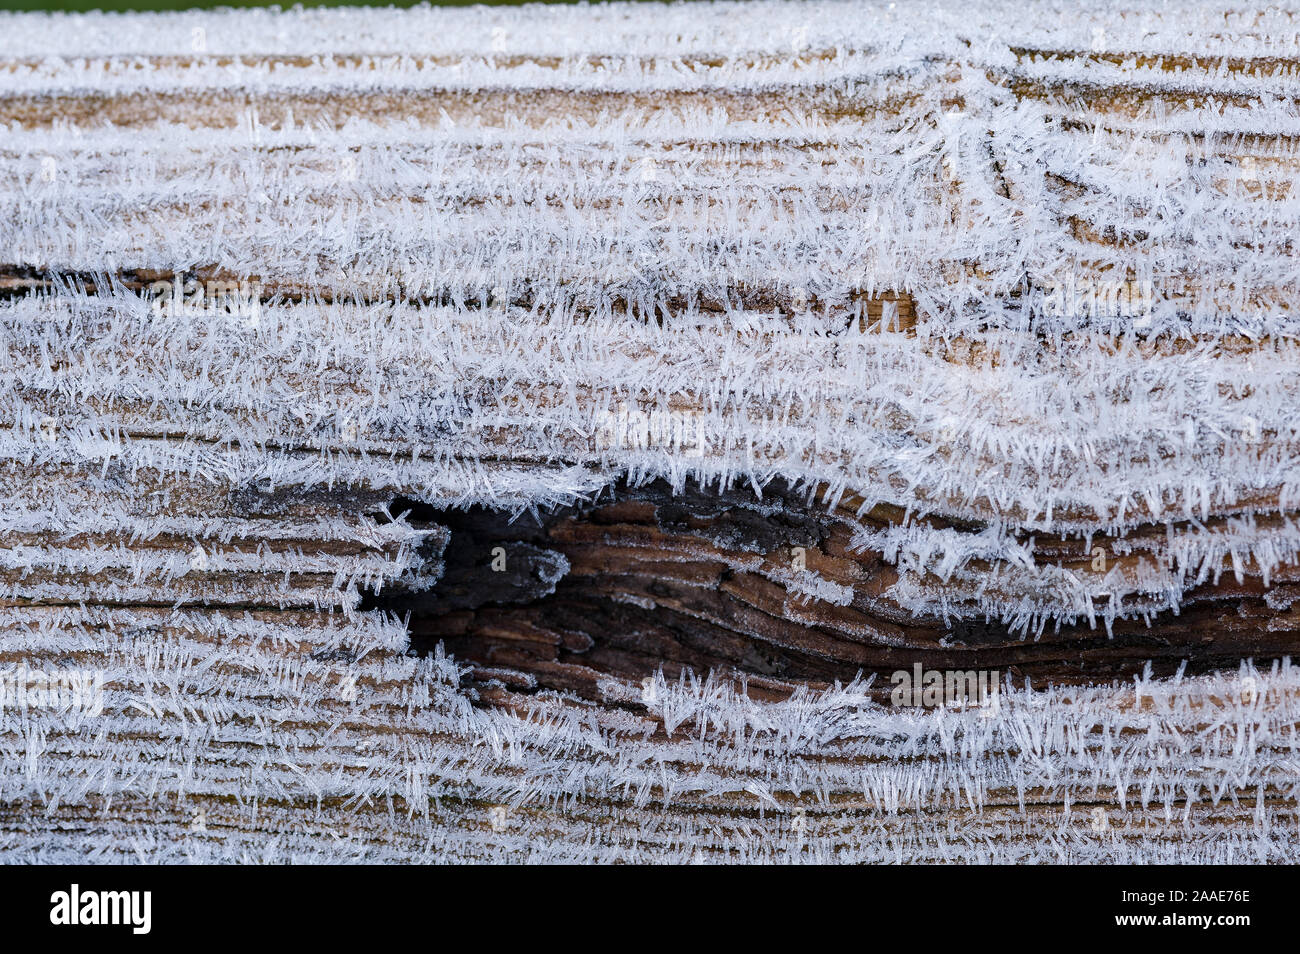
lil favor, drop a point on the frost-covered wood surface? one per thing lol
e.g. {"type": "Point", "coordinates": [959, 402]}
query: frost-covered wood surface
{"type": "Point", "coordinates": [811, 340]}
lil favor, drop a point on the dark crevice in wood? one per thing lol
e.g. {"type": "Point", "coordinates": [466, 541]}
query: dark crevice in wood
{"type": "Point", "coordinates": [642, 579]}
{"type": "Point", "coordinates": [856, 311]}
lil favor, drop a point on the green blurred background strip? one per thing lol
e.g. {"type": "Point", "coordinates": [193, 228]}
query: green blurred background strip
{"type": "Point", "coordinates": [120, 5]}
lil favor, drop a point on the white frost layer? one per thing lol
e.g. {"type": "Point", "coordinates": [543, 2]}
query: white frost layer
{"type": "Point", "coordinates": [870, 148]}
